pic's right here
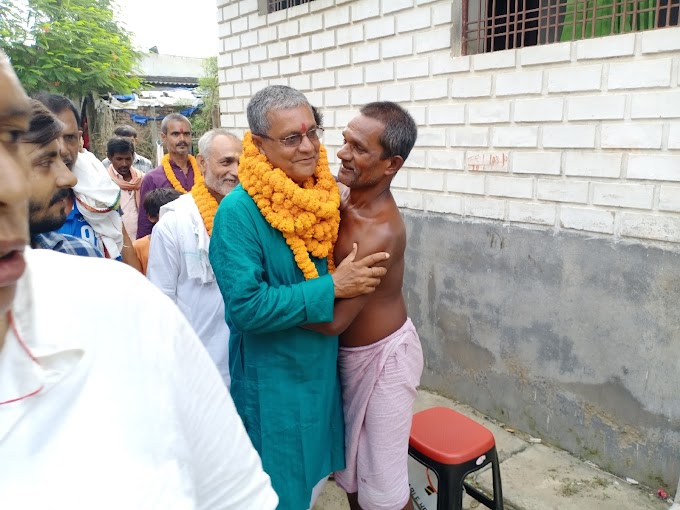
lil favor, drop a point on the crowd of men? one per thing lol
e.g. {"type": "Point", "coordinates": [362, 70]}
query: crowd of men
{"type": "Point", "coordinates": [284, 353]}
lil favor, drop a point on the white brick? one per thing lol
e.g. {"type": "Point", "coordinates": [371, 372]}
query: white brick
{"type": "Point", "coordinates": [337, 58]}
{"type": "Point", "coordinates": [640, 73]}
{"type": "Point", "coordinates": [382, 27]}
{"type": "Point", "coordinates": [545, 54]}
{"type": "Point", "coordinates": [631, 136]}
{"type": "Point", "coordinates": [251, 72]}
{"type": "Point", "coordinates": [514, 136]}
{"type": "Point", "coordinates": [240, 57]}
{"type": "Point", "coordinates": [335, 17]}
{"type": "Point", "coordinates": [224, 60]}
{"type": "Point", "coordinates": [443, 64]}
{"type": "Point", "coordinates": [514, 187]}
{"type": "Point", "coordinates": [255, 21]}
{"type": "Point", "coordinates": [289, 29]}
{"type": "Point", "coordinates": [398, 92]}
{"type": "Point", "coordinates": [234, 74]}
{"type": "Point", "coordinates": [323, 40]}
{"type": "Point", "coordinates": [262, 53]}
{"type": "Point", "coordinates": [242, 89]}
{"type": "Point", "coordinates": [278, 81]}
{"type": "Point", "coordinates": [351, 34]}
{"type": "Point", "coordinates": [445, 204]}
{"type": "Point", "coordinates": [447, 160]}
{"type": "Point", "coordinates": [301, 45]}
{"type": "Point", "coordinates": [412, 68]}
{"type": "Point", "coordinates": [366, 53]}
{"type": "Point", "coordinates": [657, 41]}
{"type": "Point", "coordinates": [267, 34]}
{"type": "Point", "coordinates": [591, 220]}
{"type": "Point", "coordinates": [674, 136]}
{"type": "Point", "coordinates": [494, 60]}
{"type": "Point", "coordinates": [230, 11]}
{"type": "Point", "coordinates": [623, 195]}
{"type": "Point", "coordinates": [522, 82]}
{"type": "Point", "coordinates": [669, 198]}
{"type": "Point", "coordinates": [442, 13]}
{"type": "Point", "coordinates": [408, 199]}
{"type": "Point", "coordinates": [431, 181]}
{"type": "Point", "coordinates": [653, 167]}
{"type": "Point", "coordinates": [592, 164]}
{"type": "Point", "coordinates": [546, 163]}
{"type": "Point", "coordinates": [489, 112]}
{"type": "Point", "coordinates": [364, 95]}
{"type": "Point", "coordinates": [487, 161]}
{"type": "Point", "coordinates": [239, 25]}
{"type": "Point", "coordinates": [323, 80]}
{"type": "Point", "coordinates": [485, 208]}
{"type": "Point", "coordinates": [596, 107]}
{"type": "Point", "coordinates": [651, 226]}
{"type": "Point", "coordinates": [397, 47]}
{"type": "Point", "coordinates": [380, 72]}
{"type": "Point", "coordinates": [431, 89]}
{"type": "Point", "coordinates": [539, 110]}
{"type": "Point", "coordinates": [269, 69]}
{"type": "Point", "coordinates": [309, 24]}
{"type": "Point", "coordinates": [227, 121]}
{"type": "Point", "coordinates": [364, 10]}
{"type": "Point", "coordinates": [397, 5]}
{"type": "Point", "coordinates": [431, 40]}
{"type": "Point", "coordinates": [655, 105]}
{"type": "Point", "coordinates": [336, 98]}
{"type": "Point", "coordinates": [446, 114]}
{"type": "Point", "coordinates": [465, 183]}
{"type": "Point", "coordinates": [562, 190]}
{"type": "Point", "coordinates": [231, 43]}
{"type": "Point", "coordinates": [311, 62]}
{"type": "Point", "coordinates": [574, 136]}
{"type": "Point", "coordinates": [471, 86]}
{"type": "Point", "coordinates": [419, 114]}
{"type": "Point", "coordinates": [226, 90]}
{"type": "Point", "coordinates": [235, 105]}
{"type": "Point", "coordinates": [301, 82]}
{"type": "Point", "coordinates": [522, 212]}
{"type": "Point", "coordinates": [400, 179]}
{"type": "Point", "coordinates": [416, 159]}
{"type": "Point", "coordinates": [350, 76]}
{"type": "Point", "coordinates": [431, 137]}
{"type": "Point", "coordinates": [606, 47]}
{"type": "Point", "coordinates": [289, 66]}
{"type": "Point", "coordinates": [468, 136]}
{"type": "Point", "coordinates": [407, 21]}
{"type": "Point", "coordinates": [342, 117]}
{"type": "Point", "coordinates": [575, 78]}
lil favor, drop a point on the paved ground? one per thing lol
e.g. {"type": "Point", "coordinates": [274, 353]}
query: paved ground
{"type": "Point", "coordinates": [534, 476]}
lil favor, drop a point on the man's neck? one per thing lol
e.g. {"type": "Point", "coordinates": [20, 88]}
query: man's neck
{"type": "Point", "coordinates": [181, 160]}
{"type": "Point", "coordinates": [216, 195]}
{"type": "Point", "coordinates": [367, 198]}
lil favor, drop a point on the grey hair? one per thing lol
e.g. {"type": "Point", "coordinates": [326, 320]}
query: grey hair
{"type": "Point", "coordinates": [170, 118]}
{"type": "Point", "coordinates": [400, 133]}
{"type": "Point", "coordinates": [274, 97]}
{"type": "Point", "coordinates": [207, 139]}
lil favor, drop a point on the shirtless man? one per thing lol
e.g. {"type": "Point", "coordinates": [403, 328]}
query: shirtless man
{"type": "Point", "coordinates": [380, 359]}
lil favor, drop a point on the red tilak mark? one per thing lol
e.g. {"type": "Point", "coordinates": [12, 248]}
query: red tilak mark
{"type": "Point", "coordinates": [304, 127]}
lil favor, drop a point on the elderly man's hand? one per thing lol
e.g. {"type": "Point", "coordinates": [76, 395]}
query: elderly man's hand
{"type": "Point", "coordinates": [352, 278]}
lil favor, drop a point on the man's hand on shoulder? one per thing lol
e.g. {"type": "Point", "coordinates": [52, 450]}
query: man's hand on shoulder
{"type": "Point", "coordinates": [354, 278]}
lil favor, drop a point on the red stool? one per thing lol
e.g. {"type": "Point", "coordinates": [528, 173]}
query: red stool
{"type": "Point", "coordinates": [453, 446]}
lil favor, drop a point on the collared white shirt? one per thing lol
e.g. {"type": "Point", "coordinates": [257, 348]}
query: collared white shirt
{"type": "Point", "coordinates": [179, 266]}
{"type": "Point", "coordinates": [113, 402]}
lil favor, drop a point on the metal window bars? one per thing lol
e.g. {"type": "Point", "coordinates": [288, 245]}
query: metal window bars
{"type": "Point", "coordinates": [278, 5]}
{"type": "Point", "coordinates": [493, 25]}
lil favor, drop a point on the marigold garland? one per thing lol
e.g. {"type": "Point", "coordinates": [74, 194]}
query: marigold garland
{"type": "Point", "coordinates": [206, 203]}
{"type": "Point", "coordinates": [170, 174]}
{"type": "Point", "coordinates": [308, 216]}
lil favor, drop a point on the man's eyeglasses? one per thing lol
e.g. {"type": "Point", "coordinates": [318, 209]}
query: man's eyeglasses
{"type": "Point", "coordinates": [313, 134]}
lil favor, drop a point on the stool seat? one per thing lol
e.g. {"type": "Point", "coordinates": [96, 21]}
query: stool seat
{"type": "Point", "coordinates": [449, 437]}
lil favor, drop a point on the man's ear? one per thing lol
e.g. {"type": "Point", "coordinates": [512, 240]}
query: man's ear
{"type": "Point", "coordinates": [201, 161]}
{"type": "Point", "coordinates": [395, 163]}
{"type": "Point", "coordinates": [258, 141]}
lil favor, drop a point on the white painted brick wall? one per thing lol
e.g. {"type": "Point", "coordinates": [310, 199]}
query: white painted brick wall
{"type": "Point", "coordinates": [581, 135]}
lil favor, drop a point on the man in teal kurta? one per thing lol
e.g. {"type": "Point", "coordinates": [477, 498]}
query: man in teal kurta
{"type": "Point", "coordinates": [284, 378]}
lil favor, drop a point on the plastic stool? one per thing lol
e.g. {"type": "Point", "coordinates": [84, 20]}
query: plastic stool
{"type": "Point", "coordinates": [453, 446]}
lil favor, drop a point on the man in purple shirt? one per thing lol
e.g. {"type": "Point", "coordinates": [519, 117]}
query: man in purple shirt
{"type": "Point", "coordinates": [176, 134]}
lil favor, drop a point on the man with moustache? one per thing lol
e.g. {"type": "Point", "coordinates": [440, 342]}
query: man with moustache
{"type": "Point", "coordinates": [139, 162]}
{"type": "Point", "coordinates": [135, 416]}
{"type": "Point", "coordinates": [178, 168]}
{"type": "Point", "coordinates": [178, 255]}
{"type": "Point", "coordinates": [120, 152]}
{"type": "Point", "coordinates": [50, 185]}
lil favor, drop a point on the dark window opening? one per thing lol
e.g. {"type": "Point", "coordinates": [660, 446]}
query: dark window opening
{"type": "Point", "coordinates": [279, 5]}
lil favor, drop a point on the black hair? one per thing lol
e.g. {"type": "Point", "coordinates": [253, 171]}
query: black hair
{"type": "Point", "coordinates": [157, 198]}
{"type": "Point", "coordinates": [119, 145]}
{"type": "Point", "coordinates": [127, 131]}
{"type": "Point", "coordinates": [44, 127]}
{"type": "Point", "coordinates": [57, 104]}
{"type": "Point", "coordinates": [400, 133]}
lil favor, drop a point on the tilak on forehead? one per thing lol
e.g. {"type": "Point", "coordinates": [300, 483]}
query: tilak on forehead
{"type": "Point", "coordinates": [303, 126]}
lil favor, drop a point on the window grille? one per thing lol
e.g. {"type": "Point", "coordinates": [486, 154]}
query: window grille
{"type": "Point", "coordinates": [493, 25]}
{"type": "Point", "coordinates": [279, 5]}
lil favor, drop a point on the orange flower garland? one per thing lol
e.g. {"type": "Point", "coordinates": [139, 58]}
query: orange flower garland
{"type": "Point", "coordinates": [308, 216]}
{"type": "Point", "coordinates": [171, 175]}
{"type": "Point", "coordinates": [206, 203]}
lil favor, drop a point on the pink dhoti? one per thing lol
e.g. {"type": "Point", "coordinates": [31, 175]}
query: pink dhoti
{"type": "Point", "coordinates": [379, 383]}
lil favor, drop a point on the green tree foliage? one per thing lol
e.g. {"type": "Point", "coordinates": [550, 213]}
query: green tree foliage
{"type": "Point", "coordinates": [208, 86]}
{"type": "Point", "coordinates": [71, 47]}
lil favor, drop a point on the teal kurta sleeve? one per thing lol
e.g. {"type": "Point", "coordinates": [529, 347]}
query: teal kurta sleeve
{"type": "Point", "coordinates": [238, 247]}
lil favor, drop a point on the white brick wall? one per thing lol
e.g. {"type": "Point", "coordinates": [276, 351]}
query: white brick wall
{"type": "Point", "coordinates": [581, 135]}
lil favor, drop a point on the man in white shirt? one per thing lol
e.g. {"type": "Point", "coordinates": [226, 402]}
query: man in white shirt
{"type": "Point", "coordinates": [134, 417]}
{"type": "Point", "coordinates": [178, 256]}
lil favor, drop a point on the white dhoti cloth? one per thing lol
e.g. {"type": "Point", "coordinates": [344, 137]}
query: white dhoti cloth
{"type": "Point", "coordinates": [379, 386]}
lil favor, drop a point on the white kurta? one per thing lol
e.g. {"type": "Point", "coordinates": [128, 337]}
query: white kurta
{"type": "Point", "coordinates": [114, 402]}
{"type": "Point", "coordinates": [179, 266]}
